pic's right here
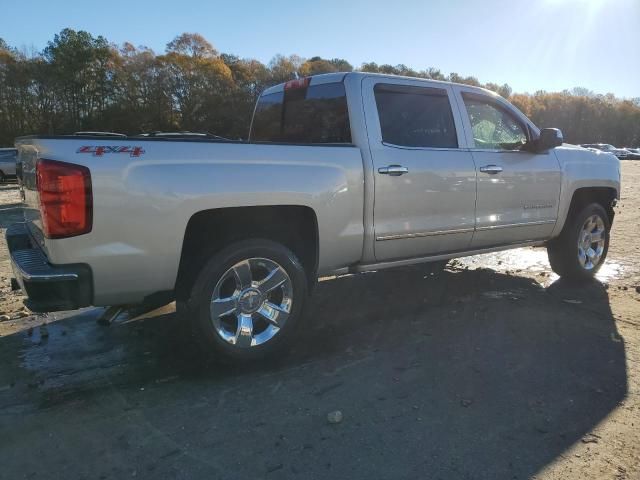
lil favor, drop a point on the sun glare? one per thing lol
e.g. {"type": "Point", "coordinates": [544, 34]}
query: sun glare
{"type": "Point", "coordinates": [590, 5]}
{"type": "Point", "coordinates": [596, 3]}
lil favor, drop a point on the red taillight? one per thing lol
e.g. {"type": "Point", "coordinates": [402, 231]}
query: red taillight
{"type": "Point", "coordinates": [297, 83]}
{"type": "Point", "coordinates": [66, 202]}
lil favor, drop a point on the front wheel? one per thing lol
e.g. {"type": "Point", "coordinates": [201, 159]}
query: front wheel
{"type": "Point", "coordinates": [581, 249]}
{"type": "Point", "coordinates": [247, 300]}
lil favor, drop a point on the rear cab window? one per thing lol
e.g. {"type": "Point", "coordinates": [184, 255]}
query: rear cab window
{"type": "Point", "coordinates": [303, 113]}
{"type": "Point", "coordinates": [415, 116]}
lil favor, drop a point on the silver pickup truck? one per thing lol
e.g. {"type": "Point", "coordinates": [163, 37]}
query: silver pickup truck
{"type": "Point", "coordinates": [341, 173]}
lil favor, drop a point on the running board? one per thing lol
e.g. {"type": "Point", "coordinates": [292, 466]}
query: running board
{"type": "Point", "coordinates": [445, 256]}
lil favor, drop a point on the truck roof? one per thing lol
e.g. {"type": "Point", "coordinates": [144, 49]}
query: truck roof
{"type": "Point", "coordinates": [340, 76]}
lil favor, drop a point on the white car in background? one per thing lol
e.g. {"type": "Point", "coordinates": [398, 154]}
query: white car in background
{"type": "Point", "coordinates": [621, 153]}
{"type": "Point", "coordinates": [634, 153]}
{"type": "Point", "coordinates": [8, 158]}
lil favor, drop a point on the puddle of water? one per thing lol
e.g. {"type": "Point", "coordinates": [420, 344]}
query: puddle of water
{"type": "Point", "coordinates": [533, 260]}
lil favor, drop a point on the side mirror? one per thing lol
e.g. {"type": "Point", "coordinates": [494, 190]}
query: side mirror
{"type": "Point", "coordinates": [549, 138]}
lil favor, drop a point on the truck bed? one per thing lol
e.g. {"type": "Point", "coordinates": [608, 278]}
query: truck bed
{"type": "Point", "coordinates": [146, 190]}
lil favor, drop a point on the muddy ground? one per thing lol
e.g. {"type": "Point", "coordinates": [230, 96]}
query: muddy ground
{"type": "Point", "coordinates": [493, 369]}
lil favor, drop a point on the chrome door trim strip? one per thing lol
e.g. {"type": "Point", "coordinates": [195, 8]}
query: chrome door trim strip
{"type": "Point", "coordinates": [422, 234]}
{"type": "Point", "coordinates": [513, 225]}
{"type": "Point", "coordinates": [501, 150]}
{"type": "Point", "coordinates": [428, 149]}
{"type": "Point", "coordinates": [402, 236]}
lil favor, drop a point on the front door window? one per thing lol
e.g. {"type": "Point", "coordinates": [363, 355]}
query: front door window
{"type": "Point", "coordinates": [493, 127]}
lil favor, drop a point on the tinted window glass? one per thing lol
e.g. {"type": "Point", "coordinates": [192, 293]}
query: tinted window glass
{"type": "Point", "coordinates": [267, 117]}
{"type": "Point", "coordinates": [316, 114]}
{"type": "Point", "coordinates": [415, 116]}
{"type": "Point", "coordinates": [493, 127]}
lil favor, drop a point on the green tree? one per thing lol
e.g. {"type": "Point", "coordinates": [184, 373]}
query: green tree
{"type": "Point", "coordinates": [192, 45]}
{"type": "Point", "coordinates": [317, 65]}
{"type": "Point", "coordinates": [199, 80]}
{"type": "Point", "coordinates": [80, 66]}
{"type": "Point", "coordinates": [284, 68]}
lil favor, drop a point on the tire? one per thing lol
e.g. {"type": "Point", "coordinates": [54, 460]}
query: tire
{"type": "Point", "coordinates": [581, 249]}
{"type": "Point", "coordinates": [235, 326]}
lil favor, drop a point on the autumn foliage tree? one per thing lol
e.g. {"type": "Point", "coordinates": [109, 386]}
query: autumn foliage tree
{"type": "Point", "coordinates": [81, 82]}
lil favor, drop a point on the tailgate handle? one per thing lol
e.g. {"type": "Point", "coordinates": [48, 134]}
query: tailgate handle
{"type": "Point", "coordinates": [393, 170]}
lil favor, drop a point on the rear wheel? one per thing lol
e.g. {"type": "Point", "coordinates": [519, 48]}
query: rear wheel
{"type": "Point", "coordinates": [247, 300]}
{"type": "Point", "coordinates": [581, 249]}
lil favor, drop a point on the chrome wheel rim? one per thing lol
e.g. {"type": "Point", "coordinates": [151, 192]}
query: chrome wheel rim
{"type": "Point", "coordinates": [251, 302]}
{"type": "Point", "coordinates": [591, 241]}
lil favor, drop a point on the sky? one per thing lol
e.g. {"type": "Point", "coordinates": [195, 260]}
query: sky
{"type": "Point", "coordinates": [530, 44]}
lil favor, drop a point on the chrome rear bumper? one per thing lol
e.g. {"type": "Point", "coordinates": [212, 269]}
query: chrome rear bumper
{"type": "Point", "coordinates": [48, 287]}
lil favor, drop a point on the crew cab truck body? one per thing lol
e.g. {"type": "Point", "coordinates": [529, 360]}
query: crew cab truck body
{"type": "Point", "coordinates": [342, 172]}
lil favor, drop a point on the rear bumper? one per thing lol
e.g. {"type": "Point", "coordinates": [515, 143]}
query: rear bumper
{"type": "Point", "coordinates": [49, 288]}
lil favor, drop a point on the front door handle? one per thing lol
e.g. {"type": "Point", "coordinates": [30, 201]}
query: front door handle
{"type": "Point", "coordinates": [491, 169]}
{"type": "Point", "coordinates": [393, 170]}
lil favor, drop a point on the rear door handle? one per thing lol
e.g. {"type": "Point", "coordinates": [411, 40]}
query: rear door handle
{"type": "Point", "coordinates": [491, 169]}
{"type": "Point", "coordinates": [393, 170]}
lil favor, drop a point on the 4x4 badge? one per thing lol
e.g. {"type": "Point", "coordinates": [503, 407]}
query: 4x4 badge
{"type": "Point", "coordinates": [100, 150]}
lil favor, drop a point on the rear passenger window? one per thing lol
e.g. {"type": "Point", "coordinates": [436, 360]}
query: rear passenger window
{"type": "Point", "coordinates": [311, 114]}
{"type": "Point", "coordinates": [415, 116]}
{"type": "Point", "coordinates": [267, 118]}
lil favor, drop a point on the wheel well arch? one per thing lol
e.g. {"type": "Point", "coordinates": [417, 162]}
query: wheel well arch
{"type": "Point", "coordinates": [208, 231]}
{"type": "Point", "coordinates": [604, 196]}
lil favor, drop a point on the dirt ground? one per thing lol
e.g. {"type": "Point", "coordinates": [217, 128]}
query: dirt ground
{"type": "Point", "coordinates": [492, 369]}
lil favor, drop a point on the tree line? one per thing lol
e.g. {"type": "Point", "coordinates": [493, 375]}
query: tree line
{"type": "Point", "coordinates": [84, 83]}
